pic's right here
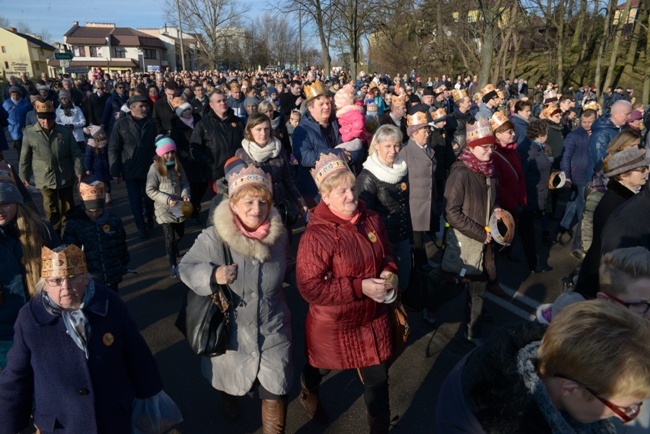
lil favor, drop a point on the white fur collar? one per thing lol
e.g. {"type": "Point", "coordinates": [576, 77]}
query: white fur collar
{"type": "Point", "coordinates": [227, 230]}
{"type": "Point", "coordinates": [384, 173]}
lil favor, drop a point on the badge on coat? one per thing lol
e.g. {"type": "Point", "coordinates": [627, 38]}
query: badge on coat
{"type": "Point", "coordinates": [234, 124]}
{"type": "Point", "coordinates": [106, 228]}
{"type": "Point", "coordinates": [372, 237]}
{"type": "Point", "coordinates": [403, 186]}
{"type": "Point", "coordinates": [108, 339]}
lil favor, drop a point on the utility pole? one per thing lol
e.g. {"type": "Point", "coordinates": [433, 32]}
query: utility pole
{"type": "Point", "coordinates": [180, 32]}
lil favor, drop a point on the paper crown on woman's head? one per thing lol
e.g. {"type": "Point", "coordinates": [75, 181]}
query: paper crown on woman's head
{"type": "Point", "coordinates": [439, 114]}
{"type": "Point", "coordinates": [326, 165]}
{"type": "Point", "coordinates": [314, 90]}
{"type": "Point", "coordinates": [498, 119]}
{"type": "Point", "coordinates": [240, 175]}
{"type": "Point", "coordinates": [398, 100]}
{"type": "Point", "coordinates": [479, 133]}
{"type": "Point", "coordinates": [63, 261]}
{"type": "Point", "coordinates": [458, 94]}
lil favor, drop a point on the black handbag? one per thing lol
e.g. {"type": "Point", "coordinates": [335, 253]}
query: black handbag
{"type": "Point", "coordinates": [205, 320]}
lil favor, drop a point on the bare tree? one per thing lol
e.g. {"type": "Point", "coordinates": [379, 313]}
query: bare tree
{"type": "Point", "coordinates": [601, 49]}
{"type": "Point", "coordinates": [4, 22]}
{"type": "Point", "coordinates": [646, 79]}
{"type": "Point", "coordinates": [215, 21]}
{"type": "Point", "coordinates": [622, 20]}
{"type": "Point", "coordinates": [639, 19]}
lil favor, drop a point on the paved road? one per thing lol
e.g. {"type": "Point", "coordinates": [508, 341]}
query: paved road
{"type": "Point", "coordinates": [154, 298]}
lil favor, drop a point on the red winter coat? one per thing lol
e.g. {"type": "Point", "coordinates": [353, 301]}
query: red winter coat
{"type": "Point", "coordinates": [345, 329]}
{"type": "Point", "coordinates": [512, 183]}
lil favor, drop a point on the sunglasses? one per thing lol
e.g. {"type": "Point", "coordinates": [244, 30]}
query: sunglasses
{"type": "Point", "coordinates": [627, 414]}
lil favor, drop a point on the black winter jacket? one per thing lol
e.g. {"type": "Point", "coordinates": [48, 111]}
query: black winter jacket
{"type": "Point", "coordinates": [103, 242]}
{"type": "Point", "coordinates": [93, 108]}
{"type": "Point", "coordinates": [132, 148]}
{"type": "Point", "coordinates": [222, 137]}
{"type": "Point", "coordinates": [195, 159]}
{"type": "Point", "coordinates": [390, 201]}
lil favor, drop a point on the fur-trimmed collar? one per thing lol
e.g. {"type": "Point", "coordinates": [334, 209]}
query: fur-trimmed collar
{"type": "Point", "coordinates": [227, 230]}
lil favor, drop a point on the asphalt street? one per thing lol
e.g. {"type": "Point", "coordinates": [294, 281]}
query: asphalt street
{"type": "Point", "coordinates": [154, 298]}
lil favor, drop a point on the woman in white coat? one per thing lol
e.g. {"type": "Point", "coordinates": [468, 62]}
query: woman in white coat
{"type": "Point", "coordinates": [259, 348]}
{"type": "Point", "coordinates": [71, 116]}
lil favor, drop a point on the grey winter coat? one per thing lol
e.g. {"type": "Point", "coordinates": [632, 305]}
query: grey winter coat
{"type": "Point", "coordinates": [161, 189]}
{"type": "Point", "coordinates": [423, 194]}
{"type": "Point", "coordinates": [260, 344]}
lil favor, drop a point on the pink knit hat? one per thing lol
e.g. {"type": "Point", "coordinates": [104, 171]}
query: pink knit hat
{"type": "Point", "coordinates": [164, 145]}
{"type": "Point", "coordinates": [344, 97]}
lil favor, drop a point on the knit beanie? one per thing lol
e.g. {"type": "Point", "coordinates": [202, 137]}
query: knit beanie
{"type": "Point", "coordinates": [163, 145]}
{"type": "Point", "coordinates": [9, 192]}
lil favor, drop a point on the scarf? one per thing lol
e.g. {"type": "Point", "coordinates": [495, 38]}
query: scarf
{"type": "Point", "coordinates": [262, 154]}
{"type": "Point", "coordinates": [560, 423]}
{"type": "Point", "coordinates": [354, 218]}
{"type": "Point", "coordinates": [75, 321]}
{"type": "Point", "coordinates": [275, 123]}
{"type": "Point", "coordinates": [258, 234]}
{"type": "Point", "coordinates": [390, 175]}
{"type": "Point", "coordinates": [188, 121]}
{"type": "Point", "coordinates": [472, 163]}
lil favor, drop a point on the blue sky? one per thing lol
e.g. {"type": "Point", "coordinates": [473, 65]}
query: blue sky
{"type": "Point", "coordinates": [57, 16]}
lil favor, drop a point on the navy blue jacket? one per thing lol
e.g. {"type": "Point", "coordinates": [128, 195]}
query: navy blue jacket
{"type": "Point", "coordinates": [70, 394]}
{"type": "Point", "coordinates": [575, 157]}
{"type": "Point", "coordinates": [97, 164]}
{"type": "Point", "coordinates": [603, 131]}
{"type": "Point", "coordinates": [103, 242]}
{"type": "Point", "coordinates": [520, 128]}
{"type": "Point", "coordinates": [114, 105]}
{"type": "Point", "coordinates": [308, 144]}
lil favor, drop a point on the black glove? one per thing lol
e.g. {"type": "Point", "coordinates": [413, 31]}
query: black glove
{"type": "Point", "coordinates": [69, 126]}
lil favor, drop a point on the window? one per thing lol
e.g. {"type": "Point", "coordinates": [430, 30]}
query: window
{"type": "Point", "coordinates": [94, 52]}
{"type": "Point", "coordinates": [79, 51]}
{"type": "Point", "coordinates": [6, 65]}
{"type": "Point", "coordinates": [149, 53]}
{"type": "Point", "coordinates": [4, 49]}
{"type": "Point", "coordinates": [120, 52]}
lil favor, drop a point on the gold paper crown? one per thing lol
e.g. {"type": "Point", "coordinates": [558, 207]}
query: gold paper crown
{"type": "Point", "coordinates": [398, 100]}
{"type": "Point", "coordinates": [6, 175]}
{"type": "Point", "coordinates": [437, 114]}
{"type": "Point", "coordinates": [235, 86]}
{"type": "Point", "coordinates": [440, 89]}
{"type": "Point", "coordinates": [94, 191]}
{"type": "Point", "coordinates": [479, 130]}
{"type": "Point", "coordinates": [62, 262]}
{"type": "Point", "coordinates": [44, 107]}
{"type": "Point", "coordinates": [546, 111]}
{"type": "Point", "coordinates": [498, 119]}
{"type": "Point", "coordinates": [417, 118]}
{"type": "Point", "coordinates": [501, 94]}
{"type": "Point", "coordinates": [326, 165]}
{"type": "Point", "coordinates": [459, 94]}
{"type": "Point", "coordinates": [250, 175]}
{"type": "Point", "coordinates": [487, 89]}
{"type": "Point", "coordinates": [593, 105]}
{"type": "Point", "coordinates": [316, 89]}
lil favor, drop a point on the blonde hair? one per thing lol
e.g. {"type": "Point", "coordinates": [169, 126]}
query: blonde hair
{"type": "Point", "coordinates": [623, 140]}
{"type": "Point", "coordinates": [383, 133]}
{"type": "Point", "coordinates": [254, 191]}
{"type": "Point", "coordinates": [33, 235]}
{"type": "Point", "coordinates": [620, 266]}
{"type": "Point", "coordinates": [162, 169]}
{"type": "Point", "coordinates": [334, 180]}
{"type": "Point", "coordinates": [600, 345]}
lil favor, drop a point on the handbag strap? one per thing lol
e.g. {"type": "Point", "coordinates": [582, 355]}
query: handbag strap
{"type": "Point", "coordinates": [509, 164]}
{"type": "Point", "coordinates": [487, 207]}
{"type": "Point", "coordinates": [223, 296]}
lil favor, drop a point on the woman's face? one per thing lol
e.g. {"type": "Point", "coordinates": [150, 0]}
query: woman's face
{"type": "Point", "coordinates": [169, 156]}
{"type": "Point", "coordinates": [251, 210]}
{"type": "Point", "coordinates": [387, 151]}
{"type": "Point", "coordinates": [506, 137]}
{"type": "Point", "coordinates": [66, 292]}
{"type": "Point", "coordinates": [153, 91]}
{"type": "Point", "coordinates": [261, 133]}
{"type": "Point", "coordinates": [7, 213]}
{"type": "Point", "coordinates": [556, 118]}
{"type": "Point", "coordinates": [421, 135]}
{"type": "Point", "coordinates": [637, 177]}
{"type": "Point", "coordinates": [343, 198]}
{"type": "Point", "coordinates": [482, 153]}
{"type": "Point", "coordinates": [187, 114]}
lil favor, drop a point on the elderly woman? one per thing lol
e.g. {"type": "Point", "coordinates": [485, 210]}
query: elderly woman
{"type": "Point", "coordinates": [345, 272]}
{"type": "Point", "coordinates": [261, 149]}
{"type": "Point", "coordinates": [470, 197]}
{"type": "Point", "coordinates": [383, 186]}
{"type": "Point", "coordinates": [259, 349]}
{"type": "Point", "coordinates": [78, 360]}
{"type": "Point", "coordinates": [22, 235]}
{"type": "Point", "coordinates": [316, 134]}
{"type": "Point", "coordinates": [627, 171]}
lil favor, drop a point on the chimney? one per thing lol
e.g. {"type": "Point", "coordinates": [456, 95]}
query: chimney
{"type": "Point", "coordinates": [75, 23]}
{"type": "Point", "coordinates": [12, 29]}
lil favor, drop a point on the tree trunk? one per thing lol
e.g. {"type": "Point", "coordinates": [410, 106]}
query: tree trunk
{"type": "Point", "coordinates": [622, 19]}
{"type": "Point", "coordinates": [327, 59]}
{"type": "Point", "coordinates": [578, 31]}
{"type": "Point", "coordinates": [515, 56]}
{"type": "Point", "coordinates": [646, 80]}
{"type": "Point", "coordinates": [560, 46]}
{"type": "Point", "coordinates": [601, 48]}
{"type": "Point", "coordinates": [486, 54]}
{"type": "Point", "coordinates": [641, 14]}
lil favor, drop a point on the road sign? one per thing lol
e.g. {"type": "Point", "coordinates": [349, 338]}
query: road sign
{"type": "Point", "coordinates": [63, 56]}
{"type": "Point", "coordinates": [76, 70]}
{"type": "Point", "coordinates": [65, 63]}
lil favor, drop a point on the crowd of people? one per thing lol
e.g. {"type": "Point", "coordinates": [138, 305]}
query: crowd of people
{"type": "Point", "coordinates": [379, 168]}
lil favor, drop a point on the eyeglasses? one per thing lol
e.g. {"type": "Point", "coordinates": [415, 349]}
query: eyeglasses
{"type": "Point", "coordinates": [642, 169]}
{"type": "Point", "coordinates": [627, 414]}
{"type": "Point", "coordinates": [58, 281]}
{"type": "Point", "coordinates": [638, 307]}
